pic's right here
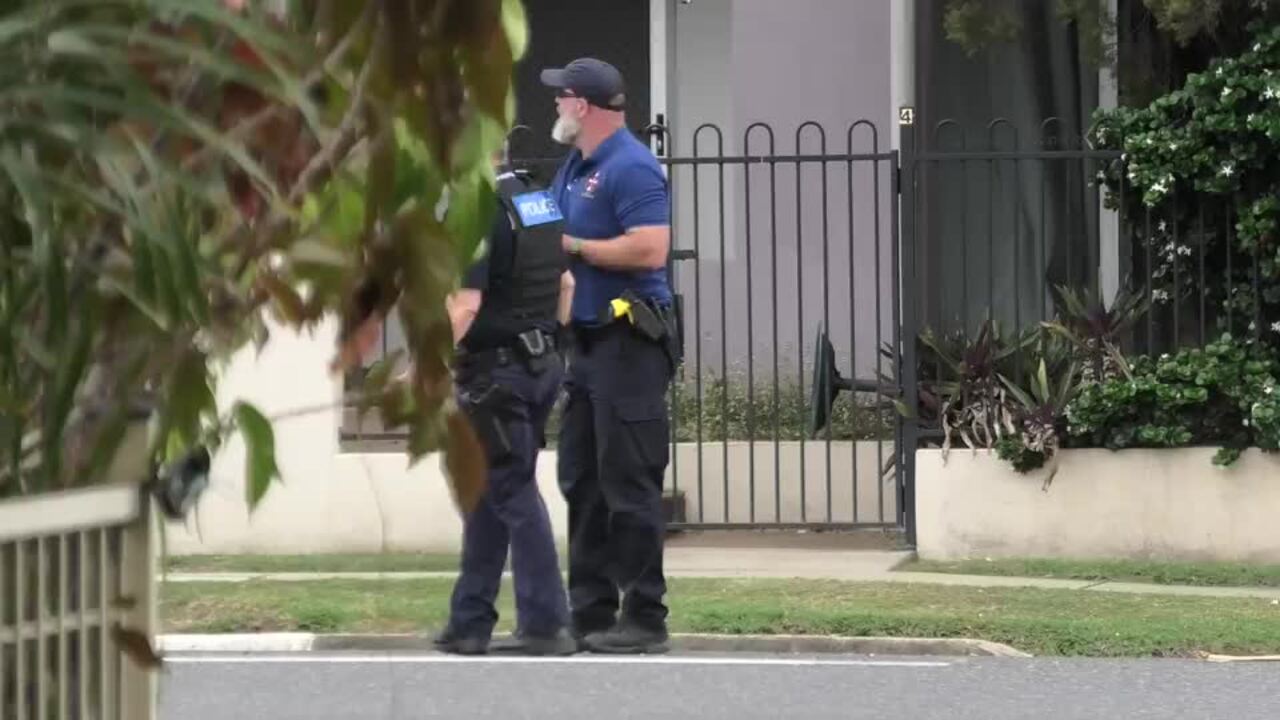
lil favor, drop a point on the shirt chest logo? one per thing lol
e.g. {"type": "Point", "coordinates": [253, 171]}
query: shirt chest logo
{"type": "Point", "coordinates": [591, 186]}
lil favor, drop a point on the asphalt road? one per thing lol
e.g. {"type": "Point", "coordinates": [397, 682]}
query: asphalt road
{"type": "Point", "coordinates": [400, 687]}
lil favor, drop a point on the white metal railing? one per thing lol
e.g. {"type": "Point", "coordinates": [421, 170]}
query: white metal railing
{"type": "Point", "coordinates": [76, 574]}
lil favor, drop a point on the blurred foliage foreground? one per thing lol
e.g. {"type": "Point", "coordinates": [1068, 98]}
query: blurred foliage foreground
{"type": "Point", "coordinates": [176, 176]}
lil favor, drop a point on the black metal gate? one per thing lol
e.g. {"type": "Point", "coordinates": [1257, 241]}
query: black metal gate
{"type": "Point", "coordinates": [781, 245]}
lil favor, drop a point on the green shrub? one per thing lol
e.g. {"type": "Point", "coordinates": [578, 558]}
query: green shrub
{"type": "Point", "coordinates": [1222, 395]}
{"type": "Point", "coordinates": [729, 411]}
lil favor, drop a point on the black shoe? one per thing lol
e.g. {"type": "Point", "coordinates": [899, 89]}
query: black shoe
{"type": "Point", "coordinates": [560, 644]}
{"type": "Point", "coordinates": [447, 642]}
{"type": "Point", "coordinates": [581, 631]}
{"type": "Point", "coordinates": [628, 639]}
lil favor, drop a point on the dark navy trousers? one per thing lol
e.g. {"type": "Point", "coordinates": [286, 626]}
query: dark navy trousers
{"type": "Point", "coordinates": [613, 454]}
{"type": "Point", "coordinates": [512, 513]}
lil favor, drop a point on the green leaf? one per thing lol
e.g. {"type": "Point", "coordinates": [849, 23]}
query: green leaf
{"type": "Point", "coordinates": [516, 26]}
{"type": "Point", "coordinates": [189, 398]}
{"type": "Point", "coordinates": [1042, 383]}
{"type": "Point", "coordinates": [69, 41]}
{"type": "Point", "coordinates": [1021, 395]}
{"type": "Point", "coordinates": [472, 204]}
{"type": "Point", "coordinates": [260, 452]}
{"type": "Point", "coordinates": [311, 252]}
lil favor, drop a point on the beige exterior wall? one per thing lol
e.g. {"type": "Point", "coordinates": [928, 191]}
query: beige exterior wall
{"type": "Point", "coordinates": [330, 501]}
{"type": "Point", "coordinates": [1137, 504]}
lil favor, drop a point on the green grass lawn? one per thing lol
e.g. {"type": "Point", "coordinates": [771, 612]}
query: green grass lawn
{"type": "Point", "coordinates": [1204, 574]}
{"type": "Point", "coordinates": [387, 562]}
{"type": "Point", "coordinates": [1044, 622]}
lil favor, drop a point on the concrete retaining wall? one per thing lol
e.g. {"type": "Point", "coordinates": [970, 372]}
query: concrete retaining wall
{"type": "Point", "coordinates": [331, 502]}
{"type": "Point", "coordinates": [374, 502]}
{"type": "Point", "coordinates": [1136, 504]}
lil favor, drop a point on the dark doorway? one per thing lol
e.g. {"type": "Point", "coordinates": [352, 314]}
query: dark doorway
{"type": "Point", "coordinates": [561, 30]}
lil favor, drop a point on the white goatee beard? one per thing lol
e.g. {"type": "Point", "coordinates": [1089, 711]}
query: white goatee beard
{"type": "Point", "coordinates": [566, 130]}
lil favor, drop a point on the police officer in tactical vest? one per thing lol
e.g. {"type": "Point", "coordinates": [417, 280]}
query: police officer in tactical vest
{"type": "Point", "coordinates": [508, 371]}
{"type": "Point", "coordinates": [614, 441]}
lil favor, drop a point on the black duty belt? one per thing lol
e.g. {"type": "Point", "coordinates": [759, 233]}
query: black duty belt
{"type": "Point", "coordinates": [528, 347]}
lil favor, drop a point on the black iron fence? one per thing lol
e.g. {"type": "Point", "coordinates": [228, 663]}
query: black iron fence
{"type": "Point", "coordinates": [780, 238]}
{"type": "Point", "coordinates": [1002, 224]}
{"type": "Point", "coordinates": [776, 237]}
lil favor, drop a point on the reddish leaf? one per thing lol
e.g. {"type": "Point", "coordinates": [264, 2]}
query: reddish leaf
{"type": "Point", "coordinates": [464, 463]}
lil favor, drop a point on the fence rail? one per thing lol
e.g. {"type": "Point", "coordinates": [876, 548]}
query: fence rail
{"type": "Point", "coordinates": [75, 567]}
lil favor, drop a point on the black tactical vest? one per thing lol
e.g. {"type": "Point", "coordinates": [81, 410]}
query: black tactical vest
{"type": "Point", "coordinates": [525, 296]}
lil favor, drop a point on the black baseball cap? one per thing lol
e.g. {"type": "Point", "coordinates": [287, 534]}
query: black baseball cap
{"type": "Point", "coordinates": [595, 81]}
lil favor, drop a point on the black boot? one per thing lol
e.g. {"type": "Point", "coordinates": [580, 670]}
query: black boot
{"type": "Point", "coordinates": [628, 638]}
{"type": "Point", "coordinates": [446, 641]}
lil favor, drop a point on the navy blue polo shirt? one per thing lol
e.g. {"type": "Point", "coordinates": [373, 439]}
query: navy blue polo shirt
{"type": "Point", "coordinates": [620, 187]}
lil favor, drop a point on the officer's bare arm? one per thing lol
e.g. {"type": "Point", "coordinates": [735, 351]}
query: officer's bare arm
{"type": "Point", "coordinates": [565, 307]}
{"type": "Point", "coordinates": [462, 307]}
{"type": "Point", "coordinates": [641, 248]}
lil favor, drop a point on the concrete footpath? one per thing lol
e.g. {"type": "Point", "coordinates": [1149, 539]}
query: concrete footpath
{"type": "Point", "coordinates": [811, 563]}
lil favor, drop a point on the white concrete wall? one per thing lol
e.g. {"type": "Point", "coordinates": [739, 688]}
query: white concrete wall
{"type": "Point", "coordinates": [330, 501]}
{"type": "Point", "coordinates": [1136, 504]}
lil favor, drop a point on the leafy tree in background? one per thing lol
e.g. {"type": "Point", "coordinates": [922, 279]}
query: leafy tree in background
{"type": "Point", "coordinates": [1156, 44]}
{"type": "Point", "coordinates": [177, 177]}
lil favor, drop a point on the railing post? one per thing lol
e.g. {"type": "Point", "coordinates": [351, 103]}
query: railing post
{"type": "Point", "coordinates": [139, 565]}
{"type": "Point", "coordinates": [909, 290]}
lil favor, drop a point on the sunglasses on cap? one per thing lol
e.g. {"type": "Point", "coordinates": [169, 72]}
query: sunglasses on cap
{"type": "Point", "coordinates": [598, 102]}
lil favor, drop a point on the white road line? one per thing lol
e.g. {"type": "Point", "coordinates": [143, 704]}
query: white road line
{"type": "Point", "coordinates": [491, 660]}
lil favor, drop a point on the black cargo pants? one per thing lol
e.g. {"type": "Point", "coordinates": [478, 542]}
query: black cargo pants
{"type": "Point", "coordinates": [613, 454]}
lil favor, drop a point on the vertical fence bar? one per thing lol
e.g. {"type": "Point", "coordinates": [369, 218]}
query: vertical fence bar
{"type": "Point", "coordinates": [42, 631]}
{"type": "Point", "coordinates": [64, 645]}
{"type": "Point", "coordinates": [1016, 227]}
{"type": "Point", "coordinates": [800, 314]}
{"type": "Point", "coordinates": [991, 221]}
{"type": "Point", "coordinates": [697, 321]}
{"type": "Point", "coordinates": [4, 620]}
{"type": "Point", "coordinates": [879, 325]}
{"type": "Point", "coordinates": [1257, 288]}
{"type": "Point", "coordinates": [82, 606]}
{"type": "Point", "coordinates": [1047, 142]}
{"type": "Point", "coordinates": [673, 279]}
{"type": "Point", "coordinates": [773, 274]}
{"type": "Point", "coordinates": [853, 303]}
{"type": "Point", "coordinates": [1151, 292]}
{"type": "Point", "coordinates": [963, 315]}
{"type": "Point", "coordinates": [898, 335]}
{"type": "Point", "coordinates": [1176, 294]}
{"type": "Point", "coordinates": [1124, 232]}
{"type": "Point", "coordinates": [4, 624]}
{"type": "Point", "coordinates": [104, 624]}
{"type": "Point", "coordinates": [1231, 279]}
{"type": "Point", "coordinates": [751, 348]}
{"type": "Point", "coordinates": [906, 175]}
{"type": "Point", "coordinates": [826, 304]}
{"type": "Point", "coordinates": [1202, 288]}
{"type": "Point", "coordinates": [724, 332]}
{"type": "Point", "coordinates": [20, 626]}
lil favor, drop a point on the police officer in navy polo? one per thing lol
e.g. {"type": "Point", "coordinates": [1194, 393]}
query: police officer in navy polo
{"type": "Point", "coordinates": [508, 372]}
{"type": "Point", "coordinates": [613, 449]}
